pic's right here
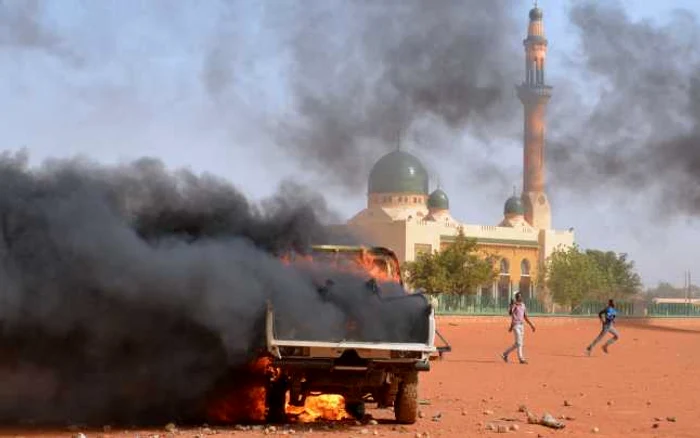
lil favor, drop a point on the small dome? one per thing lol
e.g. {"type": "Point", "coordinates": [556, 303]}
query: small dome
{"type": "Point", "coordinates": [398, 172]}
{"type": "Point", "coordinates": [438, 200]}
{"type": "Point", "coordinates": [514, 205]}
{"type": "Point", "coordinates": [535, 14]}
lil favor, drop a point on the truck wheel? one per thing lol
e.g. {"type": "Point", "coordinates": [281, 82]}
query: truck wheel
{"type": "Point", "coordinates": [276, 401]}
{"type": "Point", "coordinates": [355, 409]}
{"type": "Point", "coordinates": [406, 403]}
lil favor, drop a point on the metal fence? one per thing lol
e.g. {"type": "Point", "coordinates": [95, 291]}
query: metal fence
{"type": "Point", "coordinates": [591, 308]}
{"type": "Point", "coordinates": [673, 309]}
{"type": "Point", "coordinates": [452, 304]}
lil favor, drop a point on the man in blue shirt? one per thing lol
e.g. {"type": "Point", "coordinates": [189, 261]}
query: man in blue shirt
{"type": "Point", "coordinates": [607, 318]}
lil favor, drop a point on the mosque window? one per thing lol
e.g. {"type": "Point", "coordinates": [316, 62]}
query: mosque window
{"type": "Point", "coordinates": [505, 267]}
{"type": "Point", "coordinates": [525, 268]}
{"type": "Point", "coordinates": [422, 248]}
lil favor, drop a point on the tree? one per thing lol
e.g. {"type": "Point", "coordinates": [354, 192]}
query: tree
{"type": "Point", "coordinates": [459, 268]}
{"type": "Point", "coordinates": [620, 279]}
{"type": "Point", "coordinates": [570, 276]}
{"type": "Point", "coordinates": [574, 276]}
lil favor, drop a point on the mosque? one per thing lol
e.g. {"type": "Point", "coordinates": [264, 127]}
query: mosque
{"type": "Point", "coordinates": [404, 215]}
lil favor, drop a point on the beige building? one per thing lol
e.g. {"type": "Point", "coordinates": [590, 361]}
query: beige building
{"type": "Point", "coordinates": [404, 215]}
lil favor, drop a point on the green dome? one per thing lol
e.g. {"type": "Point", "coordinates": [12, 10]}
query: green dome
{"type": "Point", "coordinates": [514, 205]}
{"type": "Point", "coordinates": [535, 14]}
{"type": "Point", "coordinates": [398, 172]}
{"type": "Point", "coordinates": [438, 200]}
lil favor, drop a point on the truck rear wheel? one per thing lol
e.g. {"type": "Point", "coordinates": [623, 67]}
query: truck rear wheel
{"type": "Point", "coordinates": [406, 403]}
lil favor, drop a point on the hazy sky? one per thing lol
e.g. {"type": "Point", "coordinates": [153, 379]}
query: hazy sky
{"type": "Point", "coordinates": [204, 84]}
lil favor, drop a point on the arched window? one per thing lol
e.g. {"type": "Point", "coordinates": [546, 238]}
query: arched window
{"type": "Point", "coordinates": [504, 286]}
{"type": "Point", "coordinates": [505, 267]}
{"type": "Point", "coordinates": [525, 281]}
{"type": "Point", "coordinates": [525, 268]}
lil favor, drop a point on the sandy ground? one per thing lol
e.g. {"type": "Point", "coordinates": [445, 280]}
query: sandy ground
{"type": "Point", "coordinates": [651, 373]}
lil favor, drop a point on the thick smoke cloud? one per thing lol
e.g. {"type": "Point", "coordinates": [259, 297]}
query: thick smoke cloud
{"type": "Point", "coordinates": [361, 73]}
{"type": "Point", "coordinates": [129, 291]}
{"type": "Point", "coordinates": [641, 135]}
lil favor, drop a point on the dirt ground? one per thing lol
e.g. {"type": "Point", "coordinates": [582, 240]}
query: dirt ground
{"type": "Point", "coordinates": [651, 373]}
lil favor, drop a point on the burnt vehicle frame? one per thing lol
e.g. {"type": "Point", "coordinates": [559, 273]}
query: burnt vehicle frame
{"type": "Point", "coordinates": [383, 373]}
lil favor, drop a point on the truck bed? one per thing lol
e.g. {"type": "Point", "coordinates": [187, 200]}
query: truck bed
{"type": "Point", "coordinates": [395, 352]}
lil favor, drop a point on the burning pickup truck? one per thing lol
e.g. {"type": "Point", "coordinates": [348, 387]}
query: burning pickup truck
{"type": "Point", "coordinates": [385, 338]}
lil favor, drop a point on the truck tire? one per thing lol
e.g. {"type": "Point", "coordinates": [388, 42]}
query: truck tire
{"type": "Point", "coordinates": [276, 401]}
{"type": "Point", "coordinates": [406, 403]}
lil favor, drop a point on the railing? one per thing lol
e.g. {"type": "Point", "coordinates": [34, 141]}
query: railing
{"type": "Point", "coordinates": [452, 304]}
{"type": "Point", "coordinates": [591, 308]}
{"type": "Point", "coordinates": [673, 309]}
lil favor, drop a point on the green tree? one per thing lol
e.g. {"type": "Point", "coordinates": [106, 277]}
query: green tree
{"type": "Point", "coordinates": [459, 268]}
{"type": "Point", "coordinates": [574, 276]}
{"type": "Point", "coordinates": [570, 276]}
{"type": "Point", "coordinates": [620, 279]}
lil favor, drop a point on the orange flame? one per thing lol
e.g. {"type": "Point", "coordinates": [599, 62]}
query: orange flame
{"type": "Point", "coordinates": [363, 263]}
{"type": "Point", "coordinates": [241, 398]}
{"type": "Point", "coordinates": [377, 268]}
{"type": "Point", "coordinates": [328, 407]}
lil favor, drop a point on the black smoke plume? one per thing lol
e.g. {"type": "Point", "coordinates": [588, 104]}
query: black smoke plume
{"type": "Point", "coordinates": [641, 136]}
{"type": "Point", "coordinates": [129, 291]}
{"type": "Point", "coordinates": [361, 74]}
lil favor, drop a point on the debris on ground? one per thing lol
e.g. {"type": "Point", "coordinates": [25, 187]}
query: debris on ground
{"type": "Point", "coordinates": [547, 420]}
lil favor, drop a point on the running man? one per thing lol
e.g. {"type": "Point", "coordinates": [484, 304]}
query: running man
{"type": "Point", "coordinates": [607, 318]}
{"type": "Point", "coordinates": [518, 316]}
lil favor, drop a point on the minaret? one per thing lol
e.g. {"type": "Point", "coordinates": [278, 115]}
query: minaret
{"type": "Point", "coordinates": [534, 95]}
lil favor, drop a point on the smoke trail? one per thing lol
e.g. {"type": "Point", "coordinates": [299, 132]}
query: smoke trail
{"type": "Point", "coordinates": [361, 73]}
{"type": "Point", "coordinates": [128, 291]}
{"type": "Point", "coordinates": [21, 27]}
{"type": "Point", "coordinates": [641, 135]}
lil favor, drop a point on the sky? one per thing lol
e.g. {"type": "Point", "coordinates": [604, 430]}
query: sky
{"type": "Point", "coordinates": [204, 85]}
